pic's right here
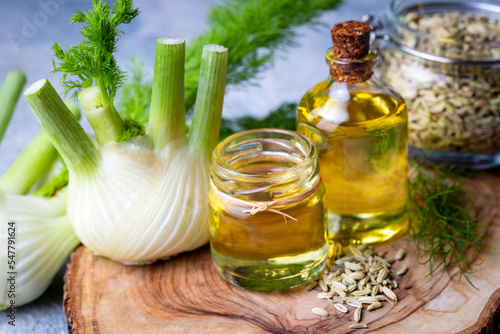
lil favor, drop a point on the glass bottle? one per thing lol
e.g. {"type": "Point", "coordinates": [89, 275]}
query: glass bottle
{"type": "Point", "coordinates": [267, 219]}
{"type": "Point", "coordinates": [360, 127]}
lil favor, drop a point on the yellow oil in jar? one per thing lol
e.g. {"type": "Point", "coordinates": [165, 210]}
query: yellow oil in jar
{"type": "Point", "coordinates": [268, 251]}
{"type": "Point", "coordinates": [361, 133]}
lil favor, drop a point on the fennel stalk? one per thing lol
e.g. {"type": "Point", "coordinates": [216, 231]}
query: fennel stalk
{"type": "Point", "coordinates": [10, 91]}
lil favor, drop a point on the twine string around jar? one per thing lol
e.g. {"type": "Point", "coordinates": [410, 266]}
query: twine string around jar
{"type": "Point", "coordinates": [257, 207]}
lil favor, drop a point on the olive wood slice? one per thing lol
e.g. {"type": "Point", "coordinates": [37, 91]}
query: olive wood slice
{"type": "Point", "coordinates": [186, 295]}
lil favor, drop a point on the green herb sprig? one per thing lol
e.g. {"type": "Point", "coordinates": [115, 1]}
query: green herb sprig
{"type": "Point", "coordinates": [92, 60]}
{"type": "Point", "coordinates": [441, 224]}
{"type": "Point", "coordinates": [253, 31]}
{"type": "Point", "coordinates": [135, 96]}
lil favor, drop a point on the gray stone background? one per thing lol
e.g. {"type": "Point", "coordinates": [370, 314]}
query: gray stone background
{"type": "Point", "coordinates": [28, 29]}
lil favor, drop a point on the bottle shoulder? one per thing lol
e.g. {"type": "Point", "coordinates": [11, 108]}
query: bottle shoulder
{"type": "Point", "coordinates": [350, 104]}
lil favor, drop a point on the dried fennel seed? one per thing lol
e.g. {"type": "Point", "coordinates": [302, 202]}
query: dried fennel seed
{"type": "Point", "coordinates": [459, 109]}
{"type": "Point", "coordinates": [320, 312]}
{"type": "Point", "coordinates": [341, 308]}
{"type": "Point", "coordinates": [312, 285]}
{"type": "Point", "coordinates": [358, 276]}
{"type": "Point", "coordinates": [400, 254]}
{"type": "Point", "coordinates": [402, 271]}
{"type": "Point", "coordinates": [354, 303]}
{"type": "Point", "coordinates": [374, 306]}
{"type": "Point", "coordinates": [357, 314]}
{"type": "Point", "coordinates": [358, 326]}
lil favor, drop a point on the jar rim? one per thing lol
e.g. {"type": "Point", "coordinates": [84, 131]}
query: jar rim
{"type": "Point", "coordinates": [308, 148]}
{"type": "Point", "coordinates": [393, 15]}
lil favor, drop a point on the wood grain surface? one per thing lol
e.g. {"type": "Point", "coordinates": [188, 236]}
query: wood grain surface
{"type": "Point", "coordinates": [186, 294]}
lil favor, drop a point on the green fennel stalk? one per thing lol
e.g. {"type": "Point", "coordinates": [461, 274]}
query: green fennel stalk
{"type": "Point", "coordinates": [66, 134]}
{"type": "Point", "coordinates": [167, 116]}
{"type": "Point", "coordinates": [10, 91]}
{"type": "Point", "coordinates": [204, 131]}
{"type": "Point", "coordinates": [34, 160]}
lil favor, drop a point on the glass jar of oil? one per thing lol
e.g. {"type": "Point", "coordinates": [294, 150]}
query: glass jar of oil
{"type": "Point", "coordinates": [267, 219]}
{"type": "Point", "coordinates": [359, 126]}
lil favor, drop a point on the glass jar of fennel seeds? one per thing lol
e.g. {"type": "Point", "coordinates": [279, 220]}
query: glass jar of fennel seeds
{"type": "Point", "coordinates": [267, 219]}
{"type": "Point", "coordinates": [443, 56]}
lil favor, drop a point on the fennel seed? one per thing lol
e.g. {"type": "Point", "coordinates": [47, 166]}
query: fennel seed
{"type": "Point", "coordinates": [354, 303]}
{"type": "Point", "coordinates": [402, 271]}
{"type": "Point", "coordinates": [374, 306]}
{"type": "Point", "coordinates": [388, 292]}
{"type": "Point", "coordinates": [312, 285]}
{"type": "Point", "coordinates": [319, 311]}
{"type": "Point", "coordinates": [352, 265]}
{"type": "Point", "coordinates": [341, 308]}
{"type": "Point", "coordinates": [358, 326]}
{"type": "Point", "coordinates": [357, 314]}
{"type": "Point", "coordinates": [324, 295]}
{"type": "Point", "coordinates": [357, 275]}
{"type": "Point", "coordinates": [323, 285]}
{"type": "Point", "coordinates": [382, 274]}
{"type": "Point", "coordinates": [340, 286]}
{"type": "Point", "coordinates": [361, 292]}
{"type": "Point", "coordinates": [356, 279]}
{"type": "Point", "coordinates": [400, 254]}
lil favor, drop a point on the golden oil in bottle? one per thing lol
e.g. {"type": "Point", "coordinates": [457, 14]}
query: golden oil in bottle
{"type": "Point", "coordinates": [283, 244]}
{"type": "Point", "coordinates": [360, 128]}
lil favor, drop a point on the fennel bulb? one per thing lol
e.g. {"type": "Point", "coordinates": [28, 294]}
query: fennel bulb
{"type": "Point", "coordinates": [144, 199]}
{"type": "Point", "coordinates": [41, 239]}
{"type": "Point", "coordinates": [139, 206]}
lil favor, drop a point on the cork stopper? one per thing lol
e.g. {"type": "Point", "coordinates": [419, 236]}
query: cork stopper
{"type": "Point", "coordinates": [351, 40]}
{"type": "Point", "coordinates": [351, 45]}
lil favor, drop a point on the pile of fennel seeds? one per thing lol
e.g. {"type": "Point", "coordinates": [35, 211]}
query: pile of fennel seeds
{"type": "Point", "coordinates": [357, 276]}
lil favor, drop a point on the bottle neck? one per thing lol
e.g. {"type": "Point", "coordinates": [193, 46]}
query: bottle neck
{"type": "Point", "coordinates": [351, 71]}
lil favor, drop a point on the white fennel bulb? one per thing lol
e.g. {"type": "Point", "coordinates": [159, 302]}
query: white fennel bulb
{"type": "Point", "coordinates": [140, 206]}
{"type": "Point", "coordinates": [146, 198]}
{"type": "Point", "coordinates": [41, 238]}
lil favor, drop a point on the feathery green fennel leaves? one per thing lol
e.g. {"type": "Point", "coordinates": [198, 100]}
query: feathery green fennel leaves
{"type": "Point", "coordinates": [252, 30]}
{"type": "Point", "coordinates": [92, 60]}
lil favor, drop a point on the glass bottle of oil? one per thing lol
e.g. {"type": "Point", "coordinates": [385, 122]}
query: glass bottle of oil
{"type": "Point", "coordinates": [267, 219]}
{"type": "Point", "coordinates": [360, 127]}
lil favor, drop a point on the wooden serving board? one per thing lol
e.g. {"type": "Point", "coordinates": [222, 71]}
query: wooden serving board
{"type": "Point", "coordinates": [186, 294]}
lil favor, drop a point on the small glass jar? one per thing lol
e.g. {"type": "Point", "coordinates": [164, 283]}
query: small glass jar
{"type": "Point", "coordinates": [267, 219]}
{"type": "Point", "coordinates": [450, 80]}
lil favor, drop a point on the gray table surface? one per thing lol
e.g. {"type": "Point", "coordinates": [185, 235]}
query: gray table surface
{"type": "Point", "coordinates": [293, 72]}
